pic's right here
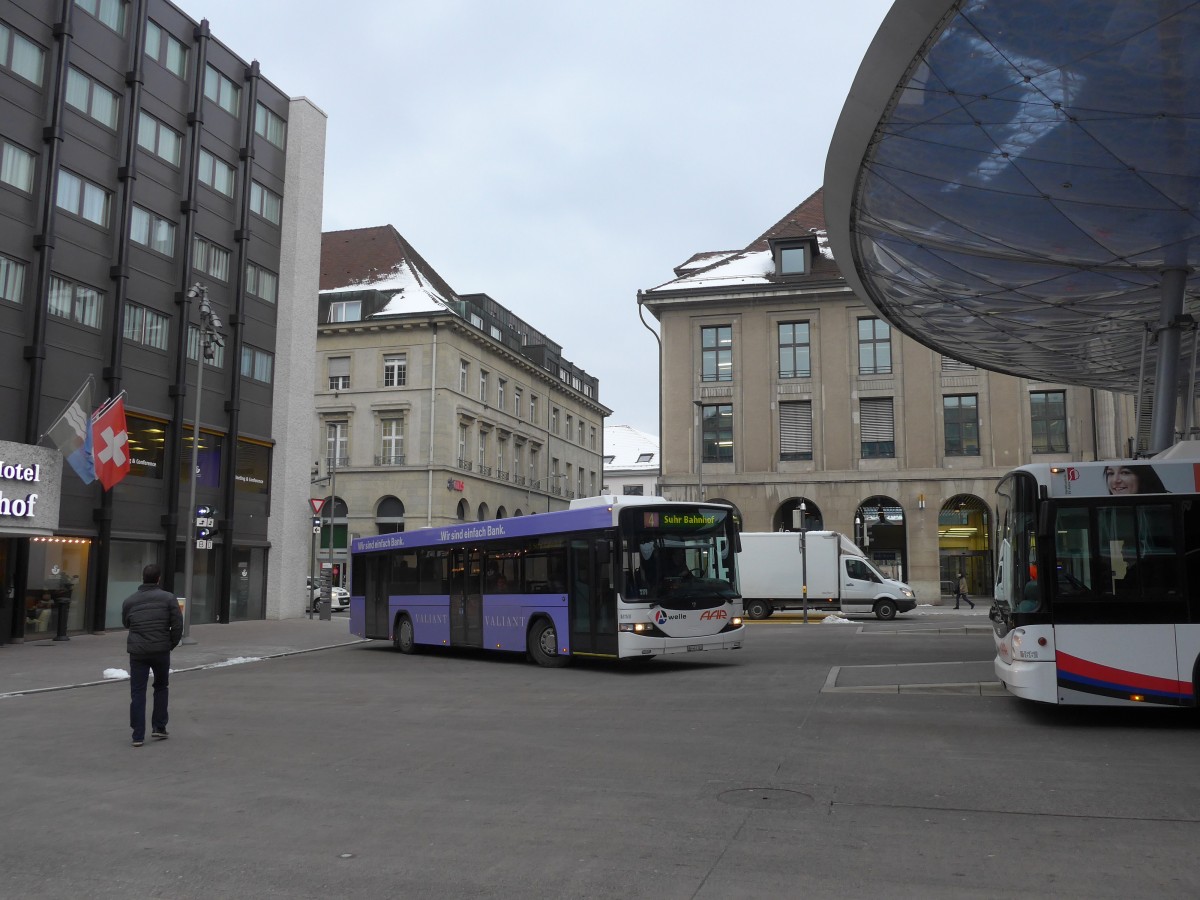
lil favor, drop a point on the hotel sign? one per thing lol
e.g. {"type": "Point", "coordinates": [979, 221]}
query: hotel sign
{"type": "Point", "coordinates": [30, 489]}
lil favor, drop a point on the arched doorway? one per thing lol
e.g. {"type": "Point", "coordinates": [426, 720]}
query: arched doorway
{"type": "Point", "coordinates": [483, 513]}
{"type": "Point", "coordinates": [964, 545]}
{"type": "Point", "coordinates": [881, 530]}
{"type": "Point", "coordinates": [464, 510]}
{"type": "Point", "coordinates": [500, 513]}
{"type": "Point", "coordinates": [335, 531]}
{"type": "Point", "coordinates": [389, 515]}
{"type": "Point", "coordinates": [787, 516]}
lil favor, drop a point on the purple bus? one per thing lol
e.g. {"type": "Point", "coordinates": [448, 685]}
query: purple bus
{"type": "Point", "coordinates": [611, 577]}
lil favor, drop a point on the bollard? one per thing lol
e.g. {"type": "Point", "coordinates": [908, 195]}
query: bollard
{"type": "Point", "coordinates": [326, 610]}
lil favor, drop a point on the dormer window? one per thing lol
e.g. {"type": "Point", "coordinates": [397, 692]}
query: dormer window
{"type": "Point", "coordinates": [793, 256]}
{"type": "Point", "coordinates": [645, 457]}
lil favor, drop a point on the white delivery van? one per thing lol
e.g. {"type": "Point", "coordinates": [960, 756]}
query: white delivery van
{"type": "Point", "coordinates": [772, 573]}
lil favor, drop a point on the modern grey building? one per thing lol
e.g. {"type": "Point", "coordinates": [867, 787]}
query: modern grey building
{"type": "Point", "coordinates": [144, 165]}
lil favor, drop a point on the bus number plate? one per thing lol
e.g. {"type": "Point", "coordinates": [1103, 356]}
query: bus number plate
{"type": "Point", "coordinates": [692, 647]}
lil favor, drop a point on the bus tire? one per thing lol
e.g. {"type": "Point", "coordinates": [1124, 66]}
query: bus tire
{"type": "Point", "coordinates": [885, 609]}
{"type": "Point", "coordinates": [402, 636]}
{"type": "Point", "coordinates": [543, 645]}
{"type": "Point", "coordinates": [758, 609]}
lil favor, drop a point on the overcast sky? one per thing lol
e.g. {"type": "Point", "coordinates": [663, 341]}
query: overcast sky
{"type": "Point", "coordinates": [560, 156]}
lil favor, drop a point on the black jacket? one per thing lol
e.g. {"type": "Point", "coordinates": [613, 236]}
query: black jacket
{"type": "Point", "coordinates": [153, 619]}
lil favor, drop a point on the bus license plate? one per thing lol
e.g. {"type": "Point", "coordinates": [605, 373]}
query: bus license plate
{"type": "Point", "coordinates": [692, 647]}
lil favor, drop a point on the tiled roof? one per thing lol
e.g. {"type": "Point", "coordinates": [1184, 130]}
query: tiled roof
{"type": "Point", "coordinates": [360, 256]}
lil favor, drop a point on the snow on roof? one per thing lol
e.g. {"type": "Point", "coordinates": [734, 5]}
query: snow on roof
{"type": "Point", "coordinates": [410, 293]}
{"type": "Point", "coordinates": [747, 267]}
{"type": "Point", "coordinates": [626, 445]}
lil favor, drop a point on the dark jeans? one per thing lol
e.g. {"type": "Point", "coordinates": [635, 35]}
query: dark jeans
{"type": "Point", "coordinates": [139, 671]}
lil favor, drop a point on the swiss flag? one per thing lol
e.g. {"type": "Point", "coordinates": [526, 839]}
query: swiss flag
{"type": "Point", "coordinates": [110, 443]}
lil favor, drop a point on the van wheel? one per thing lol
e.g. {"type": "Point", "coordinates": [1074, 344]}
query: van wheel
{"type": "Point", "coordinates": [758, 609]}
{"type": "Point", "coordinates": [886, 610]}
{"type": "Point", "coordinates": [543, 645]}
{"type": "Point", "coordinates": [403, 639]}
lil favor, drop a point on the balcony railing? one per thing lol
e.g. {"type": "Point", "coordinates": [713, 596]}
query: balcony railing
{"type": "Point", "coordinates": [340, 462]}
{"type": "Point", "coordinates": [518, 479]}
{"type": "Point", "coordinates": [393, 459]}
{"type": "Point", "coordinates": [502, 475]}
{"type": "Point", "coordinates": [485, 470]}
{"type": "Point", "coordinates": [464, 464]}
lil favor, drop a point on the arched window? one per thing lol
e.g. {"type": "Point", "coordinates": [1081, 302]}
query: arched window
{"type": "Point", "coordinates": [389, 515]}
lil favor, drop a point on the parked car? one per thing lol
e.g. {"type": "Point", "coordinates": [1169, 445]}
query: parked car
{"type": "Point", "coordinates": [339, 600]}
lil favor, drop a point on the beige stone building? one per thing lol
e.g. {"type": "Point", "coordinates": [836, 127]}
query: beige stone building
{"type": "Point", "coordinates": [434, 407]}
{"type": "Point", "coordinates": [800, 395]}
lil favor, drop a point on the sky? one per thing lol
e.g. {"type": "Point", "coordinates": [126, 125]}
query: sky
{"type": "Point", "coordinates": [560, 156]}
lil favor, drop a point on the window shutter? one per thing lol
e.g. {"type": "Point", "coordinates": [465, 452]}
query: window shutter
{"type": "Point", "coordinates": [339, 366]}
{"type": "Point", "coordinates": [795, 430]}
{"type": "Point", "coordinates": [876, 419]}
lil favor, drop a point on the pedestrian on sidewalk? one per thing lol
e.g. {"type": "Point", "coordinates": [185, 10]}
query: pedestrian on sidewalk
{"type": "Point", "coordinates": [155, 628]}
{"type": "Point", "coordinates": [962, 592]}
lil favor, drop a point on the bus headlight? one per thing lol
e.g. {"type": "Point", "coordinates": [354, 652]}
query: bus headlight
{"type": "Point", "coordinates": [636, 627]}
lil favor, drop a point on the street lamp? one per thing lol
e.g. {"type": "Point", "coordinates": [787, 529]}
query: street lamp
{"type": "Point", "coordinates": [699, 404]}
{"type": "Point", "coordinates": [804, 558]}
{"type": "Point", "coordinates": [327, 602]}
{"type": "Point", "coordinates": [210, 340]}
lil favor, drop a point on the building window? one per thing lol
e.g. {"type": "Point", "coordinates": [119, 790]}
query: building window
{"type": "Point", "coordinates": [270, 126]}
{"type": "Point", "coordinates": [517, 400]}
{"type": "Point", "coordinates": [21, 56]}
{"type": "Point", "coordinates": [152, 231]}
{"type": "Point", "coordinates": [632, 490]}
{"type": "Point", "coordinates": [339, 373]}
{"type": "Point", "coordinates": [483, 385]}
{"type": "Point", "coordinates": [953, 365]}
{"type": "Point", "coordinates": [481, 451]}
{"type": "Point", "coordinates": [92, 98]}
{"type": "Point", "coordinates": [874, 347]}
{"type": "Point", "coordinates": [642, 457]}
{"type": "Point", "coordinates": [16, 166]}
{"type": "Point", "coordinates": [960, 415]}
{"type": "Point", "coordinates": [395, 370]}
{"type": "Point", "coordinates": [257, 364]}
{"type": "Point", "coordinates": [877, 427]}
{"type": "Point", "coordinates": [464, 370]}
{"type": "Point", "coordinates": [716, 353]}
{"type": "Point", "coordinates": [216, 173]}
{"type": "Point", "coordinates": [261, 283]}
{"type": "Point", "coordinates": [795, 430]}
{"type": "Point", "coordinates": [82, 198]}
{"type": "Point", "coordinates": [579, 433]}
{"type": "Point", "coordinates": [793, 259]}
{"type": "Point", "coordinates": [1048, 414]}
{"type": "Point", "coordinates": [391, 446]}
{"type": "Point", "coordinates": [717, 432]}
{"type": "Point", "coordinates": [592, 437]}
{"type": "Point", "coordinates": [110, 12]}
{"type": "Point", "coordinates": [159, 139]}
{"type": "Point", "coordinates": [337, 445]}
{"type": "Point", "coordinates": [166, 49]}
{"type": "Point", "coordinates": [501, 457]}
{"type": "Point", "coordinates": [570, 431]}
{"type": "Point", "coordinates": [145, 326]}
{"type": "Point", "coordinates": [210, 258]}
{"type": "Point", "coordinates": [477, 320]}
{"type": "Point", "coordinates": [221, 90]}
{"type": "Point", "coordinates": [266, 203]}
{"type": "Point", "coordinates": [794, 350]}
{"type": "Point", "coordinates": [533, 464]}
{"type": "Point", "coordinates": [501, 384]}
{"type": "Point", "coordinates": [345, 311]}
{"type": "Point", "coordinates": [462, 445]}
{"type": "Point", "coordinates": [519, 463]}
{"type": "Point", "coordinates": [554, 420]}
{"type": "Point", "coordinates": [75, 302]}
{"type": "Point", "coordinates": [12, 279]}
{"type": "Point", "coordinates": [193, 348]}
{"type": "Point", "coordinates": [533, 409]}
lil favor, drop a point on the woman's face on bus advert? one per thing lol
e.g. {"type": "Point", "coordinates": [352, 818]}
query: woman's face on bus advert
{"type": "Point", "coordinates": [1121, 480]}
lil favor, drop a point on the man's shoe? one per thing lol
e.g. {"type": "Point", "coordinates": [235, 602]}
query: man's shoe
{"type": "Point", "coordinates": [137, 743]}
{"type": "Point", "coordinates": [159, 734]}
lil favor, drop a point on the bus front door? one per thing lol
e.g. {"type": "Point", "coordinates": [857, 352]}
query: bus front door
{"type": "Point", "coordinates": [593, 603]}
{"type": "Point", "coordinates": [466, 597]}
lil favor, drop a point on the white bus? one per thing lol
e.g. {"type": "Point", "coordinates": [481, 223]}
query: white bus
{"type": "Point", "coordinates": [1097, 595]}
{"type": "Point", "coordinates": [611, 577]}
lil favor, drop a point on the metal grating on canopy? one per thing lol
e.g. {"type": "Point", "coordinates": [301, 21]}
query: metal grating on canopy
{"type": "Point", "coordinates": [1009, 180]}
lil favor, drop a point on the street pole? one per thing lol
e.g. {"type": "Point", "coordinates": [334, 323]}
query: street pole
{"type": "Point", "coordinates": [327, 602]}
{"type": "Point", "coordinates": [804, 559]}
{"type": "Point", "coordinates": [209, 341]}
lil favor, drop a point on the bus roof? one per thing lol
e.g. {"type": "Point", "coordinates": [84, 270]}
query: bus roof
{"type": "Point", "coordinates": [1176, 474]}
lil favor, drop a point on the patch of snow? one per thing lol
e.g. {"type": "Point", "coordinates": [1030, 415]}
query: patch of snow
{"type": "Point", "coordinates": [834, 619]}
{"type": "Point", "coordinates": [115, 673]}
{"type": "Point", "coordinates": [235, 661]}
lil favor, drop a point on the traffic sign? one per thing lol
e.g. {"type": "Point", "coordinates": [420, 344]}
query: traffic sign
{"type": "Point", "coordinates": [316, 503]}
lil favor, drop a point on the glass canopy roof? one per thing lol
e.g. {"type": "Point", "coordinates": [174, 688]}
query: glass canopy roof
{"type": "Point", "coordinates": [1010, 179]}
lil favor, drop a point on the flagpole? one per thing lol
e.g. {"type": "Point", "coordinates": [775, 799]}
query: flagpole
{"type": "Point", "coordinates": [209, 340]}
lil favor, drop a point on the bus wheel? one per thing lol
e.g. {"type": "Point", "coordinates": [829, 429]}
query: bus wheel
{"type": "Point", "coordinates": [403, 636]}
{"type": "Point", "coordinates": [543, 645]}
{"type": "Point", "coordinates": [758, 609]}
{"type": "Point", "coordinates": [886, 610]}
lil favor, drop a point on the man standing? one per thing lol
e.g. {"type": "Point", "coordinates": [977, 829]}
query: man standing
{"type": "Point", "coordinates": [155, 629]}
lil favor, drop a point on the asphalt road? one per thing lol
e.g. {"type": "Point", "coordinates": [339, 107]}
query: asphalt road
{"type": "Point", "coordinates": [853, 760]}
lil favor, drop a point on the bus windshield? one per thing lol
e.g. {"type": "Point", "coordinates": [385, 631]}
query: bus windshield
{"type": "Point", "coordinates": [681, 553]}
